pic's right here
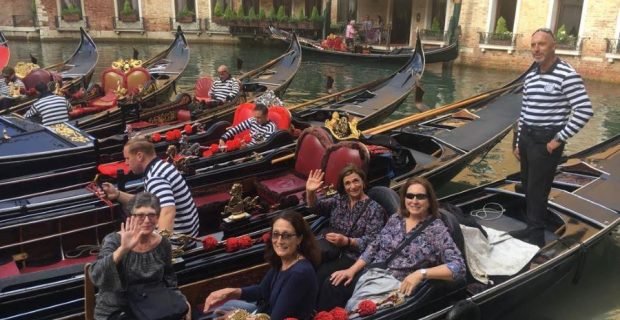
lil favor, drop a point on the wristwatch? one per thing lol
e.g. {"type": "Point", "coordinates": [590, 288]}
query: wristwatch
{"type": "Point", "coordinates": [424, 274]}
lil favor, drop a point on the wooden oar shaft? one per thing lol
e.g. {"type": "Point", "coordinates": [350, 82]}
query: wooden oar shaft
{"type": "Point", "coordinates": [433, 112]}
{"type": "Point", "coordinates": [265, 66]}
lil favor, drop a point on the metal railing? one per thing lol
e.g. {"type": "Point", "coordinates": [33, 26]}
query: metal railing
{"type": "Point", "coordinates": [432, 35]}
{"type": "Point", "coordinates": [60, 23]}
{"type": "Point", "coordinates": [195, 25]}
{"type": "Point", "coordinates": [613, 46]}
{"type": "Point", "coordinates": [570, 43]}
{"type": "Point", "coordinates": [25, 21]}
{"type": "Point", "coordinates": [500, 39]}
{"type": "Point", "coordinates": [123, 23]}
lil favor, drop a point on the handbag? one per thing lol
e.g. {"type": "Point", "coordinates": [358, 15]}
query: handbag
{"type": "Point", "coordinates": [330, 251]}
{"type": "Point", "coordinates": [155, 301]}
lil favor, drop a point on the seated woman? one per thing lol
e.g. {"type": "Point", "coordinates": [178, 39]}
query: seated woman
{"type": "Point", "coordinates": [396, 260]}
{"type": "Point", "coordinates": [289, 288]}
{"type": "Point", "coordinates": [354, 218]}
{"type": "Point", "coordinates": [134, 255]}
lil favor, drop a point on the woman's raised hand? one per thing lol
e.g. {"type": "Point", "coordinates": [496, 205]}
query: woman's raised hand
{"type": "Point", "coordinates": [315, 180]}
{"type": "Point", "coordinates": [130, 234]}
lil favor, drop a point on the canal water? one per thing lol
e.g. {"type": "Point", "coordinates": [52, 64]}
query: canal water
{"type": "Point", "coordinates": [595, 296]}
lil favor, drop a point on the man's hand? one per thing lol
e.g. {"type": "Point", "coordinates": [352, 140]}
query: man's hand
{"type": "Point", "coordinates": [552, 145]}
{"type": "Point", "coordinates": [337, 239]}
{"type": "Point", "coordinates": [515, 151]}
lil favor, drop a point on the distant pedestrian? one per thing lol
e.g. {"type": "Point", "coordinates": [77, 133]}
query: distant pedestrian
{"type": "Point", "coordinates": [555, 107]}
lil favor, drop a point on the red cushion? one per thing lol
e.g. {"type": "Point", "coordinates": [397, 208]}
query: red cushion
{"type": "Point", "coordinates": [135, 78]}
{"type": "Point", "coordinates": [280, 116]}
{"type": "Point", "coordinates": [311, 147]}
{"type": "Point", "coordinates": [208, 199]}
{"type": "Point", "coordinates": [111, 169]}
{"type": "Point", "coordinates": [184, 115]}
{"type": "Point", "coordinates": [274, 189]}
{"type": "Point", "coordinates": [110, 79]}
{"type": "Point", "coordinates": [9, 269]}
{"type": "Point", "coordinates": [243, 112]}
{"type": "Point", "coordinates": [36, 76]}
{"type": "Point", "coordinates": [139, 125]}
{"type": "Point", "coordinates": [202, 90]}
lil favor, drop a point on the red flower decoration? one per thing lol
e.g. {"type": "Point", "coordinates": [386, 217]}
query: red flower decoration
{"type": "Point", "coordinates": [170, 136]}
{"type": "Point", "coordinates": [244, 241]}
{"type": "Point", "coordinates": [323, 315]}
{"type": "Point", "coordinates": [188, 129]}
{"type": "Point", "coordinates": [177, 134]}
{"type": "Point", "coordinates": [366, 308]}
{"type": "Point", "coordinates": [156, 137]}
{"type": "Point", "coordinates": [339, 313]}
{"type": "Point", "coordinates": [209, 243]}
{"type": "Point", "coordinates": [266, 237]}
{"type": "Point", "coordinates": [232, 244]}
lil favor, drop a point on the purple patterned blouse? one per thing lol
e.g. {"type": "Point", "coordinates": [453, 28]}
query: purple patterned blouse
{"type": "Point", "coordinates": [342, 218]}
{"type": "Point", "coordinates": [433, 247]}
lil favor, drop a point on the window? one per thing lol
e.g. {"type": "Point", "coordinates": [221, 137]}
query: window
{"type": "Point", "coordinates": [502, 21]}
{"type": "Point", "coordinates": [437, 19]}
{"type": "Point", "coordinates": [311, 4]}
{"type": "Point", "coordinates": [566, 18]}
{"type": "Point", "coordinates": [127, 8]}
{"type": "Point", "coordinates": [287, 6]}
{"type": "Point", "coordinates": [247, 4]}
{"type": "Point", "coordinates": [219, 6]}
{"type": "Point", "coordinates": [185, 8]}
{"type": "Point", "coordinates": [347, 10]}
{"type": "Point", "coordinates": [71, 10]}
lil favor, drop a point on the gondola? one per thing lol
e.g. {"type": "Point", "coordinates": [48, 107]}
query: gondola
{"type": "Point", "coordinates": [76, 73]}
{"type": "Point", "coordinates": [444, 54]}
{"type": "Point", "coordinates": [575, 224]}
{"type": "Point", "coordinates": [5, 52]}
{"type": "Point", "coordinates": [275, 75]}
{"type": "Point", "coordinates": [143, 86]}
{"type": "Point", "coordinates": [47, 211]}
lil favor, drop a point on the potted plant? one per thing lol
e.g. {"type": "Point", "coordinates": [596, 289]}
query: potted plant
{"type": "Point", "coordinates": [241, 18]}
{"type": "Point", "coordinates": [316, 18]}
{"type": "Point", "coordinates": [218, 13]}
{"type": "Point", "coordinates": [252, 18]}
{"type": "Point", "coordinates": [263, 22]}
{"type": "Point", "coordinates": [71, 13]}
{"type": "Point", "coordinates": [302, 20]}
{"type": "Point", "coordinates": [282, 18]}
{"type": "Point", "coordinates": [502, 35]}
{"type": "Point", "coordinates": [128, 14]}
{"type": "Point", "coordinates": [229, 17]}
{"type": "Point", "coordinates": [186, 16]}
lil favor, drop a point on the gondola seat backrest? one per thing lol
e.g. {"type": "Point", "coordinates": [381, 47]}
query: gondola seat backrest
{"type": "Point", "coordinates": [137, 79]}
{"type": "Point", "coordinates": [387, 198]}
{"type": "Point", "coordinates": [34, 77]}
{"type": "Point", "coordinates": [339, 156]}
{"type": "Point", "coordinates": [202, 89]}
{"type": "Point", "coordinates": [454, 227]}
{"type": "Point", "coordinates": [281, 117]}
{"type": "Point", "coordinates": [311, 146]}
{"type": "Point", "coordinates": [110, 80]}
{"type": "Point", "coordinates": [242, 113]}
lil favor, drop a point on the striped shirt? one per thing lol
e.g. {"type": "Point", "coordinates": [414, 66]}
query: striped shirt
{"type": "Point", "coordinates": [557, 98]}
{"type": "Point", "coordinates": [258, 132]}
{"type": "Point", "coordinates": [225, 90]}
{"type": "Point", "coordinates": [164, 181]}
{"type": "Point", "coordinates": [51, 108]}
{"type": "Point", "coordinates": [4, 87]}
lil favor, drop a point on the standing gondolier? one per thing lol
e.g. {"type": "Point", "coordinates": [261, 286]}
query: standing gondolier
{"type": "Point", "coordinates": [555, 107]}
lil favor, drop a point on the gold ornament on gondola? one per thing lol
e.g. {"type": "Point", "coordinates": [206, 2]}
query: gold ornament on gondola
{"type": "Point", "coordinates": [22, 69]}
{"type": "Point", "coordinates": [240, 314]}
{"type": "Point", "coordinates": [179, 240]}
{"type": "Point", "coordinates": [68, 133]}
{"type": "Point", "coordinates": [238, 205]}
{"type": "Point", "coordinates": [341, 128]}
{"type": "Point", "coordinates": [126, 64]}
{"type": "Point", "coordinates": [120, 91]}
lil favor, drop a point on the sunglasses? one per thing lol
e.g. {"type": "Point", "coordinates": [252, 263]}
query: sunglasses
{"type": "Point", "coordinates": [545, 30]}
{"type": "Point", "coordinates": [141, 217]}
{"type": "Point", "coordinates": [419, 196]}
{"type": "Point", "coordinates": [284, 236]}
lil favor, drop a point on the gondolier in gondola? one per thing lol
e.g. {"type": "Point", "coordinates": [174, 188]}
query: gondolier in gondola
{"type": "Point", "coordinates": [225, 88]}
{"type": "Point", "coordinates": [178, 209]}
{"type": "Point", "coordinates": [8, 81]}
{"type": "Point", "coordinates": [261, 128]}
{"type": "Point", "coordinates": [555, 107]}
{"type": "Point", "coordinates": [50, 108]}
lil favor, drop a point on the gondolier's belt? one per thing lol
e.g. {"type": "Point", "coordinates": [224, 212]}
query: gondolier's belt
{"type": "Point", "coordinates": [541, 129]}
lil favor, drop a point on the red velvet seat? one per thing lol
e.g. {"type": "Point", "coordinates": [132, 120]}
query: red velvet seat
{"type": "Point", "coordinates": [110, 80]}
{"type": "Point", "coordinates": [111, 169]}
{"type": "Point", "coordinates": [202, 89]}
{"type": "Point", "coordinates": [311, 146]}
{"type": "Point", "coordinates": [339, 156]}
{"type": "Point", "coordinates": [36, 76]}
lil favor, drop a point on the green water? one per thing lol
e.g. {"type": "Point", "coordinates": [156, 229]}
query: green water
{"type": "Point", "coordinates": [594, 297]}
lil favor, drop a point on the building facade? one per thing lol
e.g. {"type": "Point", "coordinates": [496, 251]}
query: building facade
{"type": "Point", "coordinates": [493, 33]}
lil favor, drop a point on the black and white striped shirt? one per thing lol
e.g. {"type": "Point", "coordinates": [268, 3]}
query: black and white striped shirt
{"type": "Point", "coordinates": [557, 98]}
{"type": "Point", "coordinates": [4, 87]}
{"type": "Point", "coordinates": [224, 90]}
{"type": "Point", "coordinates": [164, 181]}
{"type": "Point", "coordinates": [258, 132]}
{"type": "Point", "coordinates": [51, 108]}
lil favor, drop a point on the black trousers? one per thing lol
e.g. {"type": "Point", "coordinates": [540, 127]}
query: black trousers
{"type": "Point", "coordinates": [538, 168]}
{"type": "Point", "coordinates": [331, 296]}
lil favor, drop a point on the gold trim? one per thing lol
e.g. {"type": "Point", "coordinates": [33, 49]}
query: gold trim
{"type": "Point", "coordinates": [341, 128]}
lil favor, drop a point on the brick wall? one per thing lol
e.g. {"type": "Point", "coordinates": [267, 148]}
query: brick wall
{"type": "Point", "coordinates": [100, 14]}
{"type": "Point", "coordinates": [10, 8]}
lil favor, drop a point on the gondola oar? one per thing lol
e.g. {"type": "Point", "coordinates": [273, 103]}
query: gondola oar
{"type": "Point", "coordinates": [420, 116]}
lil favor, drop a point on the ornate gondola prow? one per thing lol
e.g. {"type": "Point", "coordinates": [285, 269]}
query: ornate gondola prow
{"type": "Point", "coordinates": [180, 240]}
{"type": "Point", "coordinates": [341, 128]}
{"type": "Point", "coordinates": [237, 206]}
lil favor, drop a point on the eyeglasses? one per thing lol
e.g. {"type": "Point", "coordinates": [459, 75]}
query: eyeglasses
{"type": "Point", "coordinates": [545, 30]}
{"type": "Point", "coordinates": [419, 196]}
{"type": "Point", "coordinates": [284, 236]}
{"type": "Point", "coordinates": [141, 216]}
